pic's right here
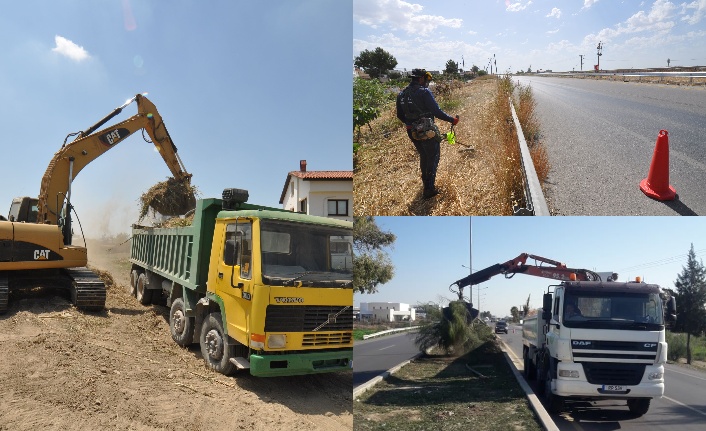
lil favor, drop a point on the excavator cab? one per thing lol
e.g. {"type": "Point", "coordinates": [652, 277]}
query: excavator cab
{"type": "Point", "coordinates": [23, 209]}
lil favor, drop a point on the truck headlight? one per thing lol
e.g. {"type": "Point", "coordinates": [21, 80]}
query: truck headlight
{"type": "Point", "coordinates": [569, 373]}
{"type": "Point", "coordinates": [276, 341]}
{"type": "Point", "coordinates": [655, 376]}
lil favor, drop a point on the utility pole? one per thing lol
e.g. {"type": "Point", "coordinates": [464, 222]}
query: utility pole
{"type": "Point", "coordinates": [581, 55]}
{"type": "Point", "coordinates": [600, 48]}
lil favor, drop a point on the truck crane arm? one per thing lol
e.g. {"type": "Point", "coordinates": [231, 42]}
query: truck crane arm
{"type": "Point", "coordinates": [518, 265]}
{"type": "Point", "coordinates": [90, 144]}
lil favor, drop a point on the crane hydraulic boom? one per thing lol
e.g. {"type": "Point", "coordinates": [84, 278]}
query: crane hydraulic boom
{"type": "Point", "coordinates": [90, 144]}
{"type": "Point", "coordinates": [518, 265]}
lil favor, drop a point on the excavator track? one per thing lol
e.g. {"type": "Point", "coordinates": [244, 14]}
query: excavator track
{"type": "Point", "coordinates": [87, 289]}
{"type": "Point", "coordinates": [4, 293]}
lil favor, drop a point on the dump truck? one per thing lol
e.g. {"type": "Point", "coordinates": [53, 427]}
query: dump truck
{"type": "Point", "coordinates": [595, 338]}
{"type": "Point", "coordinates": [258, 288]}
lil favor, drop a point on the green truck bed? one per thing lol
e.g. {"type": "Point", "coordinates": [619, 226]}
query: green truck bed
{"type": "Point", "coordinates": [180, 254]}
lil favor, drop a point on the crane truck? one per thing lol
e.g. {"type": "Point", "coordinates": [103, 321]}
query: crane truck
{"type": "Point", "coordinates": [258, 288]}
{"type": "Point", "coordinates": [595, 338]}
{"type": "Point", "coordinates": [36, 247]}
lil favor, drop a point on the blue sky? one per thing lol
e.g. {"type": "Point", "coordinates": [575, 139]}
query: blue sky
{"type": "Point", "coordinates": [246, 89]}
{"type": "Point", "coordinates": [541, 34]}
{"type": "Point", "coordinates": [430, 252]}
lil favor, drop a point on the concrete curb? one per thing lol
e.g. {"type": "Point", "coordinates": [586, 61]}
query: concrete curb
{"type": "Point", "coordinates": [536, 405]}
{"type": "Point", "coordinates": [389, 331]}
{"type": "Point", "coordinates": [360, 390]}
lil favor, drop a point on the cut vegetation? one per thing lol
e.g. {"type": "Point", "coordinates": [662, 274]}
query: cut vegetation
{"type": "Point", "coordinates": [170, 198]}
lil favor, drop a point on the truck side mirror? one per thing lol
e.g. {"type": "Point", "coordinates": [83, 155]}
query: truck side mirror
{"type": "Point", "coordinates": [547, 307]}
{"type": "Point", "coordinates": [671, 315]}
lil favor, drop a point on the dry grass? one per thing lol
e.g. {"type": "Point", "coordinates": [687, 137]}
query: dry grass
{"type": "Point", "coordinates": [170, 197]}
{"type": "Point", "coordinates": [387, 178]}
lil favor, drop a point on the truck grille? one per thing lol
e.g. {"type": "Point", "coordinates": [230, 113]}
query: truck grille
{"type": "Point", "coordinates": [336, 338]}
{"type": "Point", "coordinates": [308, 318]}
{"type": "Point", "coordinates": [614, 351]}
{"type": "Point", "coordinates": [599, 373]}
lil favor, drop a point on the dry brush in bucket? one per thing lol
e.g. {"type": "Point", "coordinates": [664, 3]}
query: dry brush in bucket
{"type": "Point", "coordinates": [171, 197]}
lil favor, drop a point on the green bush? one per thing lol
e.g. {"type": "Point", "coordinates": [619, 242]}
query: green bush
{"type": "Point", "coordinates": [676, 346]}
{"type": "Point", "coordinates": [368, 97]}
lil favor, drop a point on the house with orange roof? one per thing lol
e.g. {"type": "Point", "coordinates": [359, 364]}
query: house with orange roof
{"type": "Point", "coordinates": [320, 193]}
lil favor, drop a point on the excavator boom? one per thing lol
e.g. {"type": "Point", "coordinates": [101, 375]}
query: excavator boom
{"type": "Point", "coordinates": [91, 144]}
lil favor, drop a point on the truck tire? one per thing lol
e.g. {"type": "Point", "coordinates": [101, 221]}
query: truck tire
{"type": "Point", "coordinates": [214, 345]}
{"type": "Point", "coordinates": [530, 372]}
{"type": "Point", "coordinates": [539, 376]}
{"type": "Point", "coordinates": [143, 295]}
{"type": "Point", "coordinates": [639, 406]}
{"type": "Point", "coordinates": [180, 325]}
{"type": "Point", "coordinates": [134, 275]}
{"type": "Point", "coordinates": [555, 403]}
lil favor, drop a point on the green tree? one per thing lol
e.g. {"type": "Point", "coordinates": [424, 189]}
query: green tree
{"type": "Point", "coordinates": [375, 63]}
{"type": "Point", "coordinates": [368, 97]}
{"type": "Point", "coordinates": [451, 67]}
{"type": "Point", "coordinates": [526, 307]}
{"type": "Point", "coordinates": [691, 299]}
{"type": "Point", "coordinates": [515, 313]}
{"type": "Point", "coordinates": [371, 265]}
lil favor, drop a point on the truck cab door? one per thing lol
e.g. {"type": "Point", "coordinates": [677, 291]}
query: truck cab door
{"type": "Point", "coordinates": [234, 284]}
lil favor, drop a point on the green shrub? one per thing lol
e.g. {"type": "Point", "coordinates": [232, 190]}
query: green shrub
{"type": "Point", "coordinates": [676, 346]}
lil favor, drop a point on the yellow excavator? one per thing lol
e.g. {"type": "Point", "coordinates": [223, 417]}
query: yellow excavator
{"type": "Point", "coordinates": [36, 238]}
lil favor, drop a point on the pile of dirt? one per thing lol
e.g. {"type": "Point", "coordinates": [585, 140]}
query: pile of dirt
{"type": "Point", "coordinates": [119, 369]}
{"type": "Point", "coordinates": [171, 197]}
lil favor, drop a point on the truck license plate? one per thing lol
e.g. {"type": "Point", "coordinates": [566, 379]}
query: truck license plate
{"type": "Point", "coordinates": [613, 388]}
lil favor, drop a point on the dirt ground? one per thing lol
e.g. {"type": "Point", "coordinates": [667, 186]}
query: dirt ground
{"type": "Point", "coordinates": [119, 369]}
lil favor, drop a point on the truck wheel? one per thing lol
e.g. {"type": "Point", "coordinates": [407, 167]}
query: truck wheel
{"type": "Point", "coordinates": [214, 346]}
{"type": "Point", "coordinates": [555, 403]}
{"type": "Point", "coordinates": [539, 376]}
{"type": "Point", "coordinates": [134, 275]}
{"type": "Point", "coordinates": [143, 295]}
{"type": "Point", "coordinates": [530, 373]}
{"type": "Point", "coordinates": [639, 406]}
{"type": "Point", "coordinates": [181, 325]}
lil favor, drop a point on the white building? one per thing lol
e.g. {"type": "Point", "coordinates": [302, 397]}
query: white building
{"type": "Point", "coordinates": [387, 311]}
{"type": "Point", "coordinates": [319, 193]}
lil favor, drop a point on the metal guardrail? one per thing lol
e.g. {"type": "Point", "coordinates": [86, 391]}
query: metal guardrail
{"type": "Point", "coordinates": [534, 196]}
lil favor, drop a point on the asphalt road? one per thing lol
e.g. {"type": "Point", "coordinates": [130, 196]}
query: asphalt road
{"type": "Point", "coordinates": [601, 136]}
{"type": "Point", "coordinates": [682, 408]}
{"type": "Point", "coordinates": [375, 356]}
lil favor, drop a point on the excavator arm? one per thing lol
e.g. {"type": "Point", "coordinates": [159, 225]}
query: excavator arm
{"type": "Point", "coordinates": [91, 144]}
{"type": "Point", "coordinates": [556, 270]}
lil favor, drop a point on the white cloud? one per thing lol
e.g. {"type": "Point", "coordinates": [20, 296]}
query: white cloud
{"type": "Point", "coordinates": [588, 3]}
{"type": "Point", "coordinates": [517, 7]}
{"type": "Point", "coordinates": [657, 20]}
{"type": "Point", "coordinates": [555, 13]}
{"type": "Point", "coordinates": [69, 49]}
{"type": "Point", "coordinates": [400, 14]}
{"type": "Point", "coordinates": [699, 12]}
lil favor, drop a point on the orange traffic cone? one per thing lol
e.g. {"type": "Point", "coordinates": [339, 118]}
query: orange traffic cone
{"type": "Point", "coordinates": [656, 185]}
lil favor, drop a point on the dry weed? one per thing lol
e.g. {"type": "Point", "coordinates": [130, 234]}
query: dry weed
{"type": "Point", "coordinates": [387, 178]}
{"type": "Point", "coordinates": [170, 197]}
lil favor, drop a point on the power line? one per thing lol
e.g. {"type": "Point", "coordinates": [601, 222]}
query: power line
{"type": "Point", "coordinates": [660, 262]}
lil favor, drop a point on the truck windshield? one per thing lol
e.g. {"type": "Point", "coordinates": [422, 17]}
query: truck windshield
{"type": "Point", "coordinates": [613, 310]}
{"type": "Point", "coordinates": [313, 255]}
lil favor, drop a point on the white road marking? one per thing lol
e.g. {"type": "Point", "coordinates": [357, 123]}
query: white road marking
{"type": "Point", "coordinates": [684, 405]}
{"type": "Point", "coordinates": [387, 347]}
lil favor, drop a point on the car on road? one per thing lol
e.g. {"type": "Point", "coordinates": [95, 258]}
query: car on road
{"type": "Point", "coordinates": [500, 326]}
